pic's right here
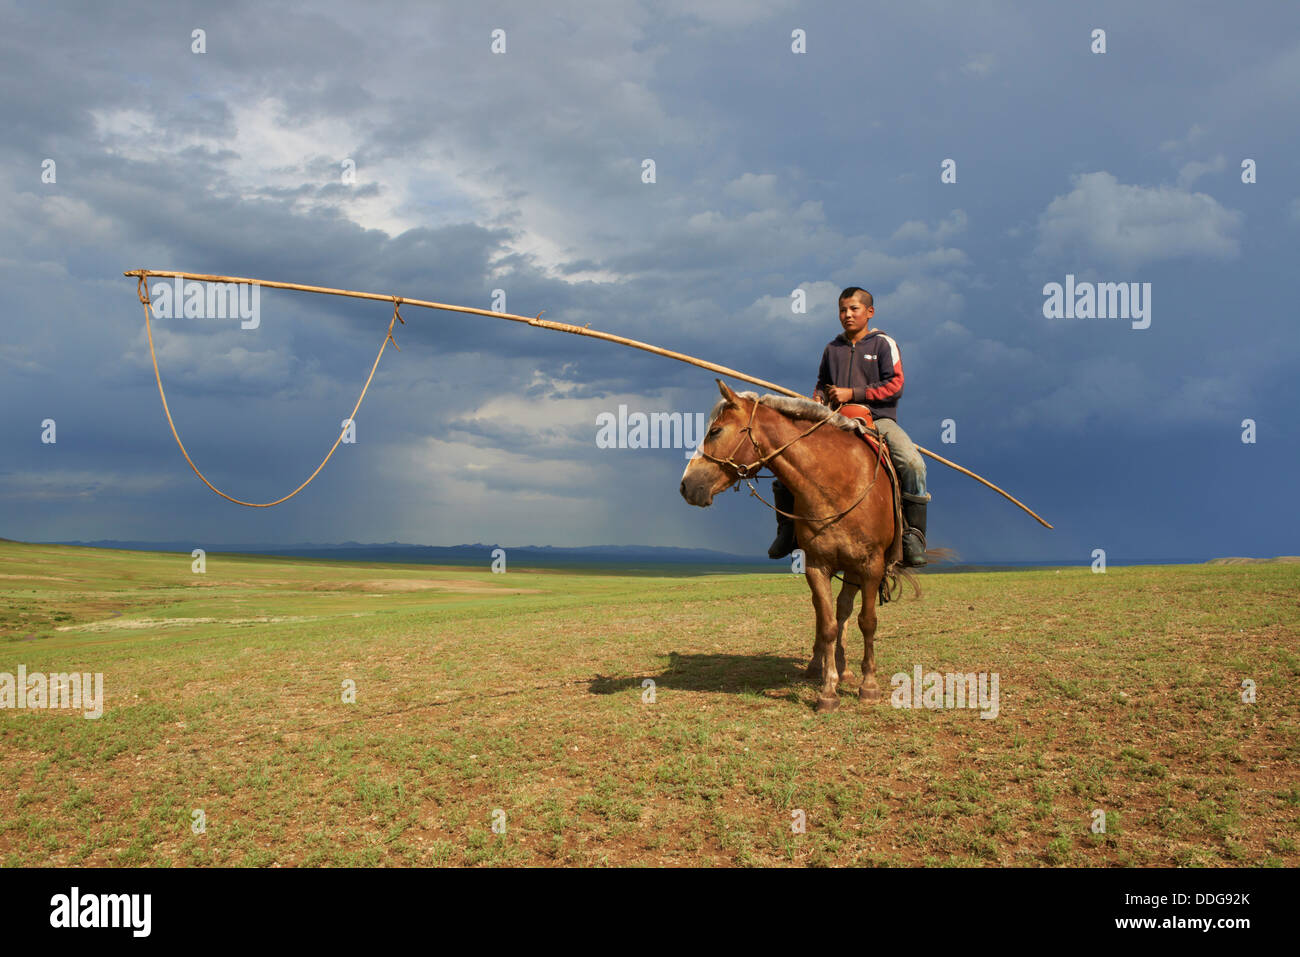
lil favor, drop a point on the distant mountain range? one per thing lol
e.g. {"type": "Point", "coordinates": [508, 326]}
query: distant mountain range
{"type": "Point", "coordinates": [1253, 561]}
{"type": "Point", "coordinates": [478, 553]}
{"type": "Point", "coordinates": [624, 557]}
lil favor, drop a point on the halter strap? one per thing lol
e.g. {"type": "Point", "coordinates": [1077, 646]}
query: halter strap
{"type": "Point", "coordinates": [749, 470]}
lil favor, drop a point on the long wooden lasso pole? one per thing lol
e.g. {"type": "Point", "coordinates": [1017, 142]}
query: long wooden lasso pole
{"type": "Point", "coordinates": [142, 275]}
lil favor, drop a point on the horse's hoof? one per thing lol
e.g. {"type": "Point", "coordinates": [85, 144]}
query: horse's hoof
{"type": "Point", "coordinates": [827, 704]}
{"type": "Point", "coordinates": [868, 694]}
{"type": "Point", "coordinates": [813, 671]}
{"type": "Point", "coordinates": [847, 677]}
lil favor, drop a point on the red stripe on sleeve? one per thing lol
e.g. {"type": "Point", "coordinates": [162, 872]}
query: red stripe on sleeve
{"type": "Point", "coordinates": [889, 389]}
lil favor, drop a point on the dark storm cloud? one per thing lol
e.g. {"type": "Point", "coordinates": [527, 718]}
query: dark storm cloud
{"type": "Point", "coordinates": [522, 172]}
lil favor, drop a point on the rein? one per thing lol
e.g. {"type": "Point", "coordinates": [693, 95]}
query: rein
{"type": "Point", "coordinates": [750, 470]}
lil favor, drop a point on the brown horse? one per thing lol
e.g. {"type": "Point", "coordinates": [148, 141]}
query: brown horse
{"type": "Point", "coordinates": [843, 506]}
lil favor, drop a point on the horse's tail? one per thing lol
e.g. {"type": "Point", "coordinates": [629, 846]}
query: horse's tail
{"type": "Point", "coordinates": [934, 556]}
{"type": "Point", "coordinates": [891, 583]}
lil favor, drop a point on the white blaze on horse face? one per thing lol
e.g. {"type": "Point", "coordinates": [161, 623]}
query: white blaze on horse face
{"type": "Point", "coordinates": [704, 434]}
{"type": "Point", "coordinates": [694, 485]}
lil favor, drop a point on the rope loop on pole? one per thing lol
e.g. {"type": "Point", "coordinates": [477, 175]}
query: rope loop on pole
{"type": "Point", "coordinates": [397, 317]}
{"type": "Point", "coordinates": [142, 292]}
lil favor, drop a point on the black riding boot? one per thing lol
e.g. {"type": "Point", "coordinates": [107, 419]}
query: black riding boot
{"type": "Point", "coordinates": [785, 542]}
{"type": "Point", "coordinates": [914, 535]}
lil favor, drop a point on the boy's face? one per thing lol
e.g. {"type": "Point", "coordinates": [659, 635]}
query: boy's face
{"type": "Point", "coordinates": [854, 316]}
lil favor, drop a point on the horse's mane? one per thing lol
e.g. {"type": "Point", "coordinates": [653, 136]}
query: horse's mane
{"type": "Point", "coordinates": [802, 409]}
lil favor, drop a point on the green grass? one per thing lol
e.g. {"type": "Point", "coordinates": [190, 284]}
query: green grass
{"type": "Point", "coordinates": [523, 693]}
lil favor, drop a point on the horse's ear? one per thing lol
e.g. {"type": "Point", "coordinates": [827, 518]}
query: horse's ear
{"type": "Point", "coordinates": [726, 392]}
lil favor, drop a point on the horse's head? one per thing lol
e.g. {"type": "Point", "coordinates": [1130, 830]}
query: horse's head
{"type": "Point", "coordinates": [726, 453]}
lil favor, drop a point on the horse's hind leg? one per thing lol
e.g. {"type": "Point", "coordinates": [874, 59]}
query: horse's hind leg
{"type": "Point", "coordinates": [869, 690]}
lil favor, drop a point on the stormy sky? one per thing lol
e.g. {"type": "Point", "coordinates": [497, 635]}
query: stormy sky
{"type": "Point", "coordinates": [523, 171]}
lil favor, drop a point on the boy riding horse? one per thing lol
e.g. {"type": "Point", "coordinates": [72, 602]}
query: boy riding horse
{"type": "Point", "coordinates": [864, 366]}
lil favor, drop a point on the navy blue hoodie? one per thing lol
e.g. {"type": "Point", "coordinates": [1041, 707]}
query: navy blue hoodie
{"type": "Point", "coordinates": [872, 368]}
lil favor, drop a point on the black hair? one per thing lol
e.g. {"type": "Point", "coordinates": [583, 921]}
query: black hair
{"type": "Point", "coordinates": [862, 294]}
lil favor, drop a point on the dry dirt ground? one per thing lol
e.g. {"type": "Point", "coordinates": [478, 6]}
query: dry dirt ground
{"type": "Point", "coordinates": [507, 719]}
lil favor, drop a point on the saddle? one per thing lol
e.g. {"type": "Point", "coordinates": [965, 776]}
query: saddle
{"type": "Point", "coordinates": [880, 448]}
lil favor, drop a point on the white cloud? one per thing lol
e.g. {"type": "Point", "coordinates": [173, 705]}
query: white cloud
{"type": "Point", "coordinates": [16, 357]}
{"type": "Point", "coordinates": [916, 230]}
{"type": "Point", "coordinates": [1191, 172]}
{"type": "Point", "coordinates": [1194, 135]}
{"type": "Point", "coordinates": [218, 359]}
{"type": "Point", "coordinates": [918, 301]}
{"type": "Point", "coordinates": [261, 154]}
{"type": "Point", "coordinates": [1115, 224]}
{"type": "Point", "coordinates": [981, 65]}
{"type": "Point", "coordinates": [878, 268]}
{"type": "Point", "coordinates": [820, 298]}
{"type": "Point", "coordinates": [754, 189]}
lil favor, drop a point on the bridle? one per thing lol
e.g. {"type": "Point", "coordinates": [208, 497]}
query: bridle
{"type": "Point", "coordinates": [749, 470]}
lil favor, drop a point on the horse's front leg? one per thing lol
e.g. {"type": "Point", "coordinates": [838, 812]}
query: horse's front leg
{"type": "Point", "coordinates": [843, 612]}
{"type": "Point", "coordinates": [819, 582]}
{"type": "Point", "coordinates": [869, 690]}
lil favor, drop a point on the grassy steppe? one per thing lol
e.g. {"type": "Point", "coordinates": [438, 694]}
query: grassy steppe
{"type": "Point", "coordinates": [523, 693]}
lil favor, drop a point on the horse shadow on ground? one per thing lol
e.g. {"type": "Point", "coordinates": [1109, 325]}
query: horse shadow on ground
{"type": "Point", "coordinates": [728, 674]}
